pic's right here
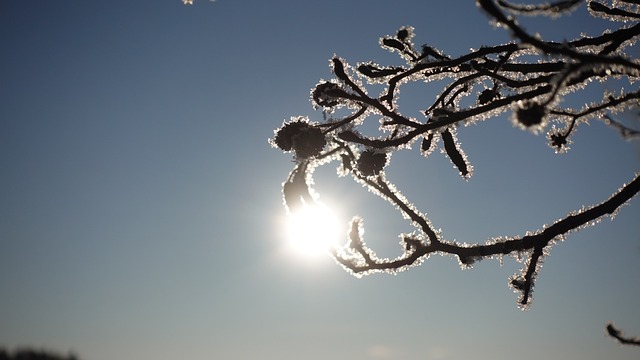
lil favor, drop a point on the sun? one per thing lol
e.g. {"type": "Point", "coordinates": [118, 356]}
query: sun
{"type": "Point", "coordinates": [313, 230]}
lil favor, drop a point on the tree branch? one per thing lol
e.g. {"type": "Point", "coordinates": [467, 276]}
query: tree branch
{"type": "Point", "coordinates": [618, 335]}
{"type": "Point", "coordinates": [528, 77]}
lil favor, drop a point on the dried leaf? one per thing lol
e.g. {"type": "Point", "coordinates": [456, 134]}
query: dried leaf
{"type": "Point", "coordinates": [455, 153]}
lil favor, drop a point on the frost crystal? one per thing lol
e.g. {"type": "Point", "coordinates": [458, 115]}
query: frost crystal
{"type": "Point", "coordinates": [529, 76]}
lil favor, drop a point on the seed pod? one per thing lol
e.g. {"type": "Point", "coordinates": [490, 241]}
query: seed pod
{"type": "Point", "coordinates": [518, 284]}
{"type": "Point", "coordinates": [393, 43]}
{"type": "Point", "coordinates": [301, 137]}
{"type": "Point", "coordinates": [285, 134]}
{"type": "Point", "coordinates": [403, 34]}
{"type": "Point", "coordinates": [558, 141]}
{"type": "Point", "coordinates": [530, 114]}
{"type": "Point", "coordinates": [338, 69]}
{"type": "Point", "coordinates": [455, 153]}
{"type": "Point", "coordinates": [371, 162]}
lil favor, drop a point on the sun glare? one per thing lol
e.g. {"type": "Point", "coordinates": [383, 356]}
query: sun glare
{"type": "Point", "coordinates": [313, 230]}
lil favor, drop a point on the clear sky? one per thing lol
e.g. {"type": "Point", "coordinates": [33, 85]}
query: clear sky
{"type": "Point", "coordinates": [140, 207]}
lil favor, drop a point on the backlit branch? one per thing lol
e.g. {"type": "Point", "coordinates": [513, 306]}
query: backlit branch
{"type": "Point", "coordinates": [528, 78]}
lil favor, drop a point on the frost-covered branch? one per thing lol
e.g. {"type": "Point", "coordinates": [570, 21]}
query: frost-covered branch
{"type": "Point", "coordinates": [528, 77]}
{"type": "Point", "coordinates": [618, 335]}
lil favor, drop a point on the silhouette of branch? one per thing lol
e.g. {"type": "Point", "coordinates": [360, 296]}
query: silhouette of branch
{"type": "Point", "coordinates": [625, 132]}
{"type": "Point", "coordinates": [598, 7]}
{"type": "Point", "coordinates": [556, 7]}
{"type": "Point", "coordinates": [528, 77]}
{"type": "Point", "coordinates": [33, 354]}
{"type": "Point", "coordinates": [468, 254]}
{"type": "Point", "coordinates": [618, 335]}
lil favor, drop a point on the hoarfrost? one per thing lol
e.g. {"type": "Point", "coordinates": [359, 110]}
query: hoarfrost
{"type": "Point", "coordinates": [529, 76]}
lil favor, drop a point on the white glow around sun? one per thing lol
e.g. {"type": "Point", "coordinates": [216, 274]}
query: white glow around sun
{"type": "Point", "coordinates": [314, 230]}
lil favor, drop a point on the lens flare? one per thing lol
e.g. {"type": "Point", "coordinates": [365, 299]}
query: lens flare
{"type": "Point", "coordinates": [313, 230]}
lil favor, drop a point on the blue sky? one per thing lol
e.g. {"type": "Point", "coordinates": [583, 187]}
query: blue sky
{"type": "Point", "coordinates": [141, 213]}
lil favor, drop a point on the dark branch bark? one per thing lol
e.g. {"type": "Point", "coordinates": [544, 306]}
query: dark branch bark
{"type": "Point", "coordinates": [618, 335]}
{"type": "Point", "coordinates": [532, 87]}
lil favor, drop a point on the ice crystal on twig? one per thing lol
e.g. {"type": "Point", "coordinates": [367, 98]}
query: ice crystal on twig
{"type": "Point", "coordinates": [528, 78]}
